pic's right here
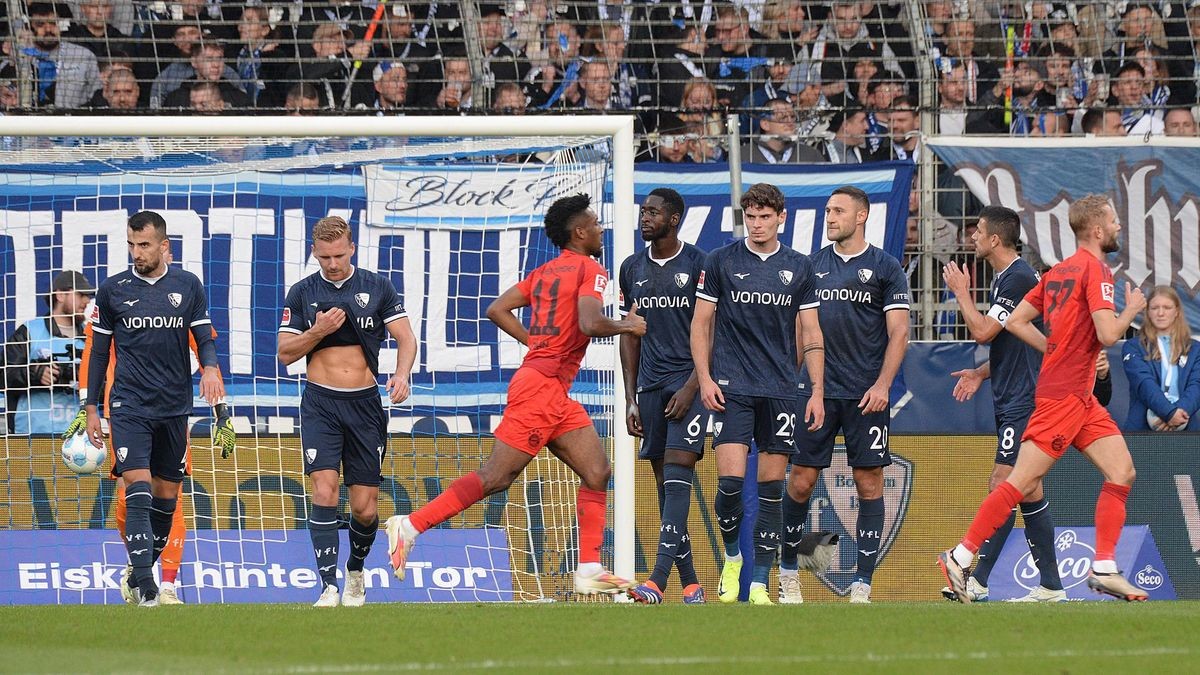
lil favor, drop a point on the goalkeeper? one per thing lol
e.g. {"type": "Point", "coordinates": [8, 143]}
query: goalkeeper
{"type": "Point", "coordinates": [225, 438]}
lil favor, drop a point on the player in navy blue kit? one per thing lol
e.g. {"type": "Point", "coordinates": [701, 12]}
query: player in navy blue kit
{"type": "Point", "coordinates": [660, 383]}
{"type": "Point", "coordinates": [147, 314]}
{"type": "Point", "coordinates": [1013, 367]}
{"type": "Point", "coordinates": [864, 315]}
{"type": "Point", "coordinates": [755, 303]}
{"type": "Point", "coordinates": [336, 319]}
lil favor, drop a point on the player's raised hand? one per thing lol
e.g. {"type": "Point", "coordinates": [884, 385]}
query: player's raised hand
{"type": "Point", "coordinates": [711, 396]}
{"type": "Point", "coordinates": [77, 425]}
{"type": "Point", "coordinates": [956, 278]}
{"type": "Point", "coordinates": [329, 321]}
{"type": "Point", "coordinates": [633, 419]}
{"type": "Point", "coordinates": [212, 389]}
{"type": "Point", "coordinates": [398, 388]}
{"type": "Point", "coordinates": [969, 381]}
{"type": "Point", "coordinates": [636, 324]}
{"type": "Point", "coordinates": [875, 400]}
{"type": "Point", "coordinates": [814, 412]}
{"type": "Point", "coordinates": [1134, 297]}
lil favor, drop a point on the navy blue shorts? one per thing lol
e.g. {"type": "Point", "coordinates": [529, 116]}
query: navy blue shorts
{"type": "Point", "coordinates": [660, 434]}
{"type": "Point", "coordinates": [866, 436]}
{"type": "Point", "coordinates": [1010, 426]}
{"type": "Point", "coordinates": [345, 431]}
{"type": "Point", "coordinates": [156, 444]}
{"type": "Point", "coordinates": [768, 422]}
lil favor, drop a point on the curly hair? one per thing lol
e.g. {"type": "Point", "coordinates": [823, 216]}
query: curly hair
{"type": "Point", "coordinates": [561, 213]}
{"type": "Point", "coordinates": [763, 195]}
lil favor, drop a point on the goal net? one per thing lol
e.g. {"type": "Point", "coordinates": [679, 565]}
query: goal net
{"type": "Point", "coordinates": [449, 208]}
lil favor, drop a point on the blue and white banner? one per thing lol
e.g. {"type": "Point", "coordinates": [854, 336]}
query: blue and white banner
{"type": "Point", "coordinates": [1152, 184]}
{"type": "Point", "coordinates": [45, 567]}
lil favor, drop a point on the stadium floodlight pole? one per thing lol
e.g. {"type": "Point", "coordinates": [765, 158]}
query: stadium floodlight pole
{"type": "Point", "coordinates": [735, 173]}
{"type": "Point", "coordinates": [617, 127]}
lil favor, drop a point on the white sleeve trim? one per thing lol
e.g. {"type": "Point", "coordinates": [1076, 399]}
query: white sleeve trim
{"type": "Point", "coordinates": [900, 305]}
{"type": "Point", "coordinates": [1000, 314]}
{"type": "Point", "coordinates": [289, 329]}
{"type": "Point", "coordinates": [98, 329]}
{"type": "Point", "coordinates": [705, 296]}
{"type": "Point", "coordinates": [201, 322]}
{"type": "Point", "coordinates": [395, 317]}
{"type": "Point", "coordinates": [623, 312]}
{"type": "Point", "coordinates": [811, 305]}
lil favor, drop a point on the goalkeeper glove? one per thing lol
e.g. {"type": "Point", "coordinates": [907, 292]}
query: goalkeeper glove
{"type": "Point", "coordinates": [224, 436]}
{"type": "Point", "coordinates": [77, 425]}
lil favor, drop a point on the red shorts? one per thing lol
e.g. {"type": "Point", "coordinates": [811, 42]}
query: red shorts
{"type": "Point", "coordinates": [538, 412]}
{"type": "Point", "coordinates": [1057, 423]}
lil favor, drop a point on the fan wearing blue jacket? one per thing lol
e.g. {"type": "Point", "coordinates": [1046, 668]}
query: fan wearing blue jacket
{"type": "Point", "coordinates": [1160, 363]}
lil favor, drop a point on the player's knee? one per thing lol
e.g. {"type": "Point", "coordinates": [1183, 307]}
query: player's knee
{"type": "Point", "coordinates": [596, 478]}
{"type": "Point", "coordinates": [365, 513]}
{"type": "Point", "coordinates": [496, 480]}
{"type": "Point", "coordinates": [1124, 475]}
{"type": "Point", "coordinates": [800, 488]}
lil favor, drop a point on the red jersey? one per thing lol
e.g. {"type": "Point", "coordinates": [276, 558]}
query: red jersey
{"type": "Point", "coordinates": [1066, 297]}
{"type": "Point", "coordinates": [556, 345]}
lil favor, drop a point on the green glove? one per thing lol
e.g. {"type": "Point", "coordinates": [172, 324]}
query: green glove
{"type": "Point", "coordinates": [224, 436]}
{"type": "Point", "coordinates": [78, 425]}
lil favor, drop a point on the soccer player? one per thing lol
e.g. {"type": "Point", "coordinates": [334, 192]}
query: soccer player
{"type": "Point", "coordinates": [1012, 366]}
{"type": "Point", "coordinates": [1075, 300]}
{"type": "Point", "coordinates": [148, 314]}
{"type": "Point", "coordinates": [567, 297]}
{"type": "Point", "coordinates": [660, 383]}
{"type": "Point", "coordinates": [864, 315]}
{"type": "Point", "coordinates": [336, 319]}
{"type": "Point", "coordinates": [755, 301]}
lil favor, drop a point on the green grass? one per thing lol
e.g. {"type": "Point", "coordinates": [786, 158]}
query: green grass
{"type": "Point", "coordinates": [911, 638]}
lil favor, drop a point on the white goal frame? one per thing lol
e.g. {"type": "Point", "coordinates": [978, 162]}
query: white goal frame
{"type": "Point", "coordinates": [619, 128]}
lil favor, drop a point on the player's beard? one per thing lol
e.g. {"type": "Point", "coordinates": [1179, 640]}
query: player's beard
{"type": "Point", "coordinates": [1111, 245]}
{"type": "Point", "coordinates": [147, 268]}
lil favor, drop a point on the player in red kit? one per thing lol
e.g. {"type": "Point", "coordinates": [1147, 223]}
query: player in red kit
{"type": "Point", "coordinates": [566, 296]}
{"type": "Point", "coordinates": [1075, 299]}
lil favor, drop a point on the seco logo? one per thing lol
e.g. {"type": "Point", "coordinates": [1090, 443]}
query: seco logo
{"type": "Point", "coordinates": [1148, 578]}
{"type": "Point", "coordinates": [1074, 562]}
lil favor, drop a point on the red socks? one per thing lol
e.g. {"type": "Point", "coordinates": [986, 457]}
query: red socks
{"type": "Point", "coordinates": [590, 506]}
{"type": "Point", "coordinates": [992, 513]}
{"type": "Point", "coordinates": [1110, 518]}
{"type": "Point", "coordinates": [461, 494]}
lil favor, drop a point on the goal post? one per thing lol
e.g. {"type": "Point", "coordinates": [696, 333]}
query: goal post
{"type": "Point", "coordinates": [31, 144]}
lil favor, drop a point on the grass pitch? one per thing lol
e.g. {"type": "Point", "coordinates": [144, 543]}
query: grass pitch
{"type": "Point", "coordinates": [912, 638]}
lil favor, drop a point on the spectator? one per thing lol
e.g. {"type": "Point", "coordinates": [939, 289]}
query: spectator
{"type": "Point", "coordinates": [672, 144]}
{"type": "Point", "coordinates": [41, 358]}
{"type": "Point", "coordinates": [173, 44]}
{"type": "Point", "coordinates": [629, 82]}
{"type": "Point", "coordinates": [698, 111]}
{"type": "Point", "coordinates": [302, 99]}
{"type": "Point", "coordinates": [207, 98]}
{"type": "Point", "coordinates": [905, 132]}
{"type": "Point", "coordinates": [779, 70]}
{"type": "Point", "coordinates": [351, 18]}
{"type": "Point", "coordinates": [1140, 25]}
{"type": "Point", "coordinates": [391, 87]}
{"type": "Point", "coordinates": [118, 61]}
{"type": "Point", "coordinates": [500, 64]}
{"type": "Point", "coordinates": [95, 31]}
{"type": "Point", "coordinates": [1032, 110]}
{"type": "Point", "coordinates": [784, 22]}
{"type": "Point", "coordinates": [881, 94]}
{"type": "Point", "coordinates": [938, 14]}
{"type": "Point", "coordinates": [1066, 79]}
{"type": "Point", "coordinates": [737, 62]}
{"type": "Point", "coordinates": [395, 42]}
{"type": "Point", "coordinates": [686, 63]}
{"type": "Point", "coordinates": [10, 98]}
{"type": "Point", "coordinates": [121, 92]}
{"type": "Point", "coordinates": [778, 144]}
{"type": "Point", "coordinates": [1160, 364]}
{"type": "Point", "coordinates": [171, 88]}
{"type": "Point", "coordinates": [66, 74]}
{"type": "Point", "coordinates": [1157, 88]}
{"type": "Point", "coordinates": [456, 92]}
{"type": "Point", "coordinates": [979, 75]}
{"type": "Point", "coordinates": [330, 70]}
{"type": "Point", "coordinates": [1129, 92]}
{"type": "Point", "coordinates": [1187, 56]}
{"type": "Point", "coordinates": [884, 25]}
{"type": "Point", "coordinates": [260, 60]}
{"type": "Point", "coordinates": [595, 81]}
{"type": "Point", "coordinates": [555, 83]}
{"type": "Point", "coordinates": [1061, 28]}
{"type": "Point", "coordinates": [1102, 122]}
{"type": "Point", "coordinates": [509, 99]}
{"type": "Point", "coordinates": [865, 68]}
{"type": "Point", "coordinates": [1180, 122]}
{"type": "Point", "coordinates": [952, 96]}
{"type": "Point", "coordinates": [849, 127]}
{"type": "Point", "coordinates": [843, 42]}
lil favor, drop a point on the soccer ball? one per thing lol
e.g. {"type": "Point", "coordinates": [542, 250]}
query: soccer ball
{"type": "Point", "coordinates": [81, 456]}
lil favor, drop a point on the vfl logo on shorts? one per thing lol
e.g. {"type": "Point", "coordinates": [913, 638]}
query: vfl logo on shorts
{"type": "Point", "coordinates": [122, 452]}
{"type": "Point", "coordinates": [717, 428]}
{"type": "Point", "coordinates": [362, 299]}
{"type": "Point", "coordinates": [310, 454]}
{"type": "Point", "coordinates": [174, 299]}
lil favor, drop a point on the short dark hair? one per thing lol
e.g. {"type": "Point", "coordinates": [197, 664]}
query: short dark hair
{"type": "Point", "coordinates": [857, 194]}
{"type": "Point", "coordinates": [43, 9]}
{"type": "Point", "coordinates": [671, 198]}
{"type": "Point", "coordinates": [1059, 50]}
{"type": "Point", "coordinates": [1130, 67]}
{"type": "Point", "coordinates": [904, 101]}
{"type": "Point", "coordinates": [561, 213]}
{"type": "Point", "coordinates": [1004, 223]}
{"type": "Point", "coordinates": [763, 195]}
{"type": "Point", "coordinates": [143, 219]}
{"type": "Point", "coordinates": [840, 117]}
{"type": "Point", "coordinates": [1093, 120]}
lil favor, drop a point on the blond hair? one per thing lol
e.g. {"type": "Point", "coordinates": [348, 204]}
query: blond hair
{"type": "Point", "coordinates": [1086, 211]}
{"type": "Point", "coordinates": [332, 228]}
{"type": "Point", "coordinates": [1181, 336]}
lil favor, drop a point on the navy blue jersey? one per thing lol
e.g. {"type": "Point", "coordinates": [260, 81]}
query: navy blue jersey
{"type": "Point", "coordinates": [1015, 365]}
{"type": "Point", "coordinates": [665, 293]}
{"type": "Point", "coordinates": [757, 297]}
{"type": "Point", "coordinates": [369, 300]}
{"type": "Point", "coordinates": [855, 295]}
{"type": "Point", "coordinates": [149, 321]}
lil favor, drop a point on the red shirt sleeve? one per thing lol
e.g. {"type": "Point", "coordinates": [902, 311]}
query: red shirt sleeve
{"type": "Point", "coordinates": [1098, 284]}
{"type": "Point", "coordinates": [594, 280]}
{"type": "Point", "coordinates": [526, 286]}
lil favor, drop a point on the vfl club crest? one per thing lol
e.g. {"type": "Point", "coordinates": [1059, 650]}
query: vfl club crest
{"type": "Point", "coordinates": [310, 454]}
{"type": "Point", "coordinates": [122, 452]}
{"type": "Point", "coordinates": [864, 275]}
{"type": "Point", "coordinates": [362, 299]}
{"type": "Point", "coordinates": [174, 299]}
{"type": "Point", "coordinates": [785, 276]}
{"type": "Point", "coordinates": [834, 508]}
{"type": "Point", "coordinates": [681, 279]}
